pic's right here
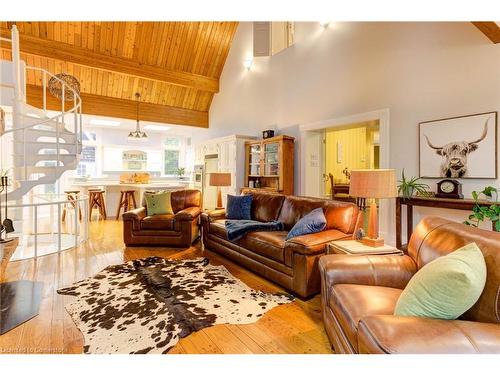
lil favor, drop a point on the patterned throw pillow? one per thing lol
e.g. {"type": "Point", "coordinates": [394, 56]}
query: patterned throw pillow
{"type": "Point", "coordinates": [313, 222]}
{"type": "Point", "coordinates": [446, 287]}
{"type": "Point", "coordinates": [159, 204]}
{"type": "Point", "coordinates": [239, 207]}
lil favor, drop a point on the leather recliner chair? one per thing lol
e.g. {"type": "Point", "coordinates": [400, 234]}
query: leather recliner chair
{"type": "Point", "coordinates": [292, 264]}
{"type": "Point", "coordinates": [359, 295]}
{"type": "Point", "coordinates": [177, 230]}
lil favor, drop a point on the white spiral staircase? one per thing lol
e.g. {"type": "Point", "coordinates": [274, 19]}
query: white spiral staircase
{"type": "Point", "coordinates": [44, 144]}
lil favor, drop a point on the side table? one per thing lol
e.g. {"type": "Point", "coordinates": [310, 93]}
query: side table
{"type": "Point", "coordinates": [354, 247]}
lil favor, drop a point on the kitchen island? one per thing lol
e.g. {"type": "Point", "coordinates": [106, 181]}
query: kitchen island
{"type": "Point", "coordinates": [113, 188]}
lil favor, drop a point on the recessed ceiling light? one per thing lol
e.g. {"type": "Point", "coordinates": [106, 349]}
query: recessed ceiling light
{"type": "Point", "coordinates": [156, 127]}
{"type": "Point", "coordinates": [96, 121]}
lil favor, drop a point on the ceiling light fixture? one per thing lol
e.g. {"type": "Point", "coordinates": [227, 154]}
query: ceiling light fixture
{"type": "Point", "coordinates": [324, 24]}
{"type": "Point", "coordinates": [96, 121]}
{"type": "Point", "coordinates": [137, 135]}
{"type": "Point", "coordinates": [248, 63]}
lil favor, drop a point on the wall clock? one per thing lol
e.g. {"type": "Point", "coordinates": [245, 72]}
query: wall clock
{"type": "Point", "coordinates": [448, 188]}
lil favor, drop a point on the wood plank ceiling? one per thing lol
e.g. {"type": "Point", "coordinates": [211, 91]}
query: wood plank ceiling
{"type": "Point", "coordinates": [490, 29]}
{"type": "Point", "coordinates": [175, 66]}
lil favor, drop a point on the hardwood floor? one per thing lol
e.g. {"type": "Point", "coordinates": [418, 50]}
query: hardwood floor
{"type": "Point", "coordinates": [291, 328]}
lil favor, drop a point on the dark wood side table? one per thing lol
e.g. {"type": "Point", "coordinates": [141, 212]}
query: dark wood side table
{"type": "Point", "coordinates": [453, 204]}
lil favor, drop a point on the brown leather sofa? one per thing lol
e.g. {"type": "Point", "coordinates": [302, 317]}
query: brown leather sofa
{"type": "Point", "coordinates": [292, 264]}
{"type": "Point", "coordinates": [177, 230]}
{"type": "Point", "coordinates": [359, 294]}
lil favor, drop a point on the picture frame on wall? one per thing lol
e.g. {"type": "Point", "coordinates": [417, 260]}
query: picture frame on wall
{"type": "Point", "coordinates": [459, 147]}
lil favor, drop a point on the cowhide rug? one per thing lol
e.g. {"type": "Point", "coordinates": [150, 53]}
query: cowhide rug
{"type": "Point", "coordinates": [146, 305]}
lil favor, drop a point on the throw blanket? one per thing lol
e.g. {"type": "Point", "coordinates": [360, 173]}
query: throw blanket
{"type": "Point", "coordinates": [238, 228]}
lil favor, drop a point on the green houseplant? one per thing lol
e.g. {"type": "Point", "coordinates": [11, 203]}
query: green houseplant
{"type": "Point", "coordinates": [408, 186]}
{"type": "Point", "coordinates": [482, 212]}
{"type": "Point", "coordinates": [180, 172]}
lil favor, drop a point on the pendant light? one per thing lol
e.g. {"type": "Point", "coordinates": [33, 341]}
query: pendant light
{"type": "Point", "coordinates": [137, 135]}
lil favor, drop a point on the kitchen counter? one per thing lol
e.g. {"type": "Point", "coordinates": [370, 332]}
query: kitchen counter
{"type": "Point", "coordinates": [151, 185]}
{"type": "Point", "coordinates": [112, 189]}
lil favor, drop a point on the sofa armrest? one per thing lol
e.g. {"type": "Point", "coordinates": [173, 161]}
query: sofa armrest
{"type": "Point", "coordinates": [380, 270]}
{"type": "Point", "coordinates": [409, 334]}
{"type": "Point", "coordinates": [315, 243]}
{"type": "Point", "coordinates": [215, 214]}
{"type": "Point", "coordinates": [135, 214]}
{"type": "Point", "coordinates": [188, 214]}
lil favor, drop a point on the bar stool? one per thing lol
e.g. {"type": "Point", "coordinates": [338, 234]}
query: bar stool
{"type": "Point", "coordinates": [127, 200]}
{"type": "Point", "coordinates": [96, 199]}
{"type": "Point", "coordinates": [71, 197]}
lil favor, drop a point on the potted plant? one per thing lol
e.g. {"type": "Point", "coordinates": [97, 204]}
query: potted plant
{"type": "Point", "coordinates": [482, 212]}
{"type": "Point", "coordinates": [409, 186]}
{"type": "Point", "coordinates": [180, 172]}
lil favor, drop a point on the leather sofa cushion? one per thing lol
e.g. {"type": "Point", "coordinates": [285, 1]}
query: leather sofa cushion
{"type": "Point", "coordinates": [294, 208]}
{"type": "Point", "coordinates": [417, 335]}
{"type": "Point", "coordinates": [340, 216]}
{"type": "Point", "coordinates": [266, 207]}
{"type": "Point", "coordinates": [350, 303]}
{"type": "Point", "coordinates": [268, 244]}
{"type": "Point", "coordinates": [158, 222]}
{"type": "Point", "coordinates": [218, 228]}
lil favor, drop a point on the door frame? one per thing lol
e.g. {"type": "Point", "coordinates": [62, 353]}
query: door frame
{"type": "Point", "coordinates": [383, 116]}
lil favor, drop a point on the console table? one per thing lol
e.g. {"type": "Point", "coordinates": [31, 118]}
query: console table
{"type": "Point", "coordinates": [454, 204]}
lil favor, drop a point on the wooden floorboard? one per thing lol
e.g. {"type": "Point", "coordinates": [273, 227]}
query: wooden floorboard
{"type": "Point", "coordinates": [292, 328]}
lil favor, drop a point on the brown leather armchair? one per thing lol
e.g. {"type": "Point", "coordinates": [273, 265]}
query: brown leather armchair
{"type": "Point", "coordinates": [178, 230]}
{"type": "Point", "coordinates": [359, 294]}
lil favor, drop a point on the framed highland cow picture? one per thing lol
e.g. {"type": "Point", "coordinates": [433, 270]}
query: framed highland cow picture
{"type": "Point", "coordinates": [459, 147]}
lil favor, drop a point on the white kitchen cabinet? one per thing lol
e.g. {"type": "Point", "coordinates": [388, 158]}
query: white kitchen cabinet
{"type": "Point", "coordinates": [112, 159]}
{"type": "Point", "coordinates": [231, 159]}
{"type": "Point", "coordinates": [155, 161]}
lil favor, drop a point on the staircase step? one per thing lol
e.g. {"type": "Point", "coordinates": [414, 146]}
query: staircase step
{"type": "Point", "coordinates": [27, 108]}
{"type": "Point", "coordinates": [35, 134]}
{"type": "Point", "coordinates": [48, 157]}
{"type": "Point", "coordinates": [50, 145]}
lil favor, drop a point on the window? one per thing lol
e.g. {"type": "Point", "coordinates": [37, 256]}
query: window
{"type": "Point", "coordinates": [89, 136]}
{"type": "Point", "coordinates": [87, 165]}
{"type": "Point", "coordinates": [172, 142]}
{"type": "Point", "coordinates": [171, 162]}
{"type": "Point", "coordinates": [172, 155]}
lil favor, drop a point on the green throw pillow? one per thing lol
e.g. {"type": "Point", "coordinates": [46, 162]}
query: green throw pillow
{"type": "Point", "coordinates": [446, 287]}
{"type": "Point", "coordinates": [159, 204]}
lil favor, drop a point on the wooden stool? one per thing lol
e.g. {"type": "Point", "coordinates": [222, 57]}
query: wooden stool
{"type": "Point", "coordinates": [96, 199]}
{"type": "Point", "coordinates": [127, 200]}
{"type": "Point", "coordinates": [71, 196]}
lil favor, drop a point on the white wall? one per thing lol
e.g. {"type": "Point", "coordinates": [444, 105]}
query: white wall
{"type": "Point", "coordinates": [420, 71]}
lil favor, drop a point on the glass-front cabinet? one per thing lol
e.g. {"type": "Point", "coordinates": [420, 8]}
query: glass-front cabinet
{"type": "Point", "coordinates": [270, 164]}
{"type": "Point", "coordinates": [254, 160]}
{"type": "Point", "coordinates": [271, 160]}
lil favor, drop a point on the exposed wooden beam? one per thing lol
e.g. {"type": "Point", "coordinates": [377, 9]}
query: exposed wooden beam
{"type": "Point", "coordinates": [490, 29]}
{"type": "Point", "coordinates": [122, 108]}
{"type": "Point", "coordinates": [81, 56]}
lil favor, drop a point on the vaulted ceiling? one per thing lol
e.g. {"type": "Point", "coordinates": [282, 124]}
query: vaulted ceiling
{"type": "Point", "coordinates": [175, 66]}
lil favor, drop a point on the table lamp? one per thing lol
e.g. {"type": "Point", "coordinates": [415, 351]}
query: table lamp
{"type": "Point", "coordinates": [373, 184]}
{"type": "Point", "coordinates": [220, 179]}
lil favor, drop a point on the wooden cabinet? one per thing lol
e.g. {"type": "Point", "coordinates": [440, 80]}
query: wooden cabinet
{"type": "Point", "coordinates": [269, 164]}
